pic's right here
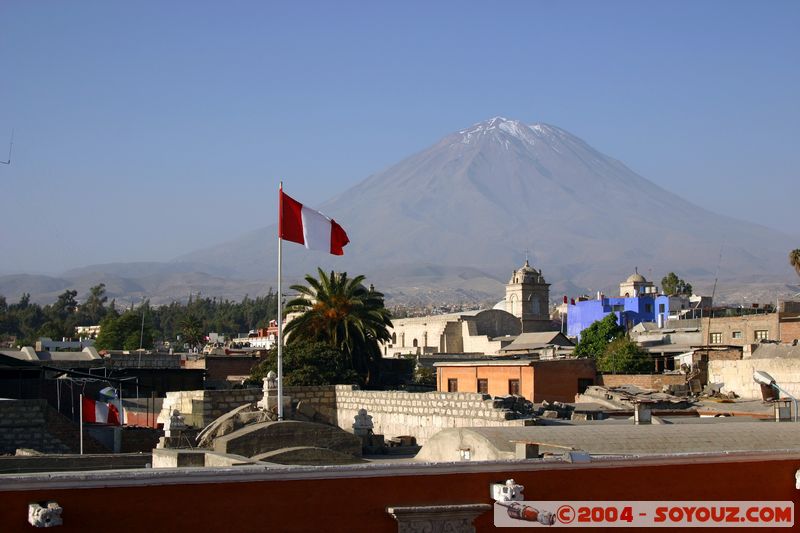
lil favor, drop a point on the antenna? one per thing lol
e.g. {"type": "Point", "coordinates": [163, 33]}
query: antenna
{"type": "Point", "coordinates": [713, 293]}
{"type": "Point", "coordinates": [10, 145]}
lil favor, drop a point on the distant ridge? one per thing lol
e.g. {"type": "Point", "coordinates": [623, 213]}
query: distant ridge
{"type": "Point", "coordinates": [451, 222]}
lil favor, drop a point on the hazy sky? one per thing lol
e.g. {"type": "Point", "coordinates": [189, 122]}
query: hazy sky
{"type": "Point", "coordinates": [145, 130]}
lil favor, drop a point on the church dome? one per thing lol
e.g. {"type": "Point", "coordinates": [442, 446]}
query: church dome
{"type": "Point", "coordinates": [636, 278]}
{"type": "Point", "coordinates": [527, 274]}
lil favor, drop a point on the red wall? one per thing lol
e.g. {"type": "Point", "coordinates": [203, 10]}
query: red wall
{"type": "Point", "coordinates": [359, 504]}
{"type": "Point", "coordinates": [557, 380]}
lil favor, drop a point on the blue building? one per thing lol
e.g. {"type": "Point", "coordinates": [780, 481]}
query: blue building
{"type": "Point", "coordinates": [630, 311]}
{"type": "Point", "coordinates": [638, 301]}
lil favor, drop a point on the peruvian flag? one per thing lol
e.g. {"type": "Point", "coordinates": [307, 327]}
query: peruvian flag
{"type": "Point", "coordinates": [298, 223]}
{"type": "Point", "coordinates": [100, 413]}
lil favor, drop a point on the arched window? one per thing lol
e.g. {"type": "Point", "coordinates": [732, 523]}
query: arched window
{"type": "Point", "coordinates": [414, 343]}
{"type": "Point", "coordinates": [394, 338]}
{"type": "Point", "coordinates": [512, 304]}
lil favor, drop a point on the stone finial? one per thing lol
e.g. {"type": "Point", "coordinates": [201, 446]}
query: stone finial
{"type": "Point", "coordinates": [47, 516]}
{"type": "Point", "coordinates": [362, 424]}
{"type": "Point", "coordinates": [175, 425]}
{"type": "Point", "coordinates": [513, 491]}
{"type": "Point", "coordinates": [269, 402]}
{"type": "Point", "coordinates": [271, 381]}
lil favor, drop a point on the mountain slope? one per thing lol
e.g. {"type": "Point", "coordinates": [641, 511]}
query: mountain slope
{"type": "Point", "coordinates": [480, 197]}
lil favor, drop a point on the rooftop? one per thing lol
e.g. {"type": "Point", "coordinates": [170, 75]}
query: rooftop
{"type": "Point", "coordinates": [490, 443]}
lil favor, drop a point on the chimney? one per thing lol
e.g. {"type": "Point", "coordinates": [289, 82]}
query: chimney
{"type": "Point", "coordinates": [642, 414]}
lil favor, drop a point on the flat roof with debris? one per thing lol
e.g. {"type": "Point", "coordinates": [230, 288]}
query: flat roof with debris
{"type": "Point", "coordinates": [494, 443]}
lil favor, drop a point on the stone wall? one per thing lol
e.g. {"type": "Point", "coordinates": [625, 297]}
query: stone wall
{"type": "Point", "coordinates": [737, 376]}
{"type": "Point", "coordinates": [22, 425]}
{"type": "Point", "coordinates": [420, 414]}
{"type": "Point", "coordinates": [147, 360]}
{"type": "Point", "coordinates": [201, 407]}
{"type": "Point", "coordinates": [394, 413]}
{"type": "Point", "coordinates": [34, 424]}
{"type": "Point", "coordinates": [643, 381]}
{"type": "Point", "coordinates": [72, 462]}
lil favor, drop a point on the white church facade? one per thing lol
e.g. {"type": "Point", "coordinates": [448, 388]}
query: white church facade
{"type": "Point", "coordinates": [525, 308]}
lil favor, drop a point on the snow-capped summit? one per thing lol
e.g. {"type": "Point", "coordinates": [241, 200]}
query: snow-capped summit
{"type": "Point", "coordinates": [499, 127]}
{"type": "Point", "coordinates": [483, 194]}
{"type": "Point", "coordinates": [505, 131]}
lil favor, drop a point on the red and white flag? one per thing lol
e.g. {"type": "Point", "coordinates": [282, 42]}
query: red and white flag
{"type": "Point", "coordinates": [298, 223]}
{"type": "Point", "coordinates": [100, 413]}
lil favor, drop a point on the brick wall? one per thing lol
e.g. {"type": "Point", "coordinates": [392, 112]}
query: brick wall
{"type": "Point", "coordinates": [790, 329]}
{"type": "Point", "coordinates": [220, 367]}
{"type": "Point", "coordinates": [746, 326]}
{"type": "Point", "coordinates": [557, 380]}
{"type": "Point", "coordinates": [643, 381]}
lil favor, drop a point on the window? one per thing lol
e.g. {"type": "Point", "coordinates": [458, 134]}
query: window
{"type": "Point", "coordinates": [716, 338]}
{"type": "Point", "coordinates": [583, 384]}
{"type": "Point", "coordinates": [648, 308]}
{"type": "Point", "coordinates": [452, 385]}
{"type": "Point", "coordinates": [483, 386]}
{"type": "Point", "coordinates": [661, 309]}
{"type": "Point", "coordinates": [736, 334]}
{"type": "Point", "coordinates": [617, 308]}
{"type": "Point", "coordinates": [761, 334]}
{"type": "Point", "coordinates": [513, 387]}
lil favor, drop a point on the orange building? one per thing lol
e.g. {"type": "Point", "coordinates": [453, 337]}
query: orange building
{"type": "Point", "coordinates": [537, 380]}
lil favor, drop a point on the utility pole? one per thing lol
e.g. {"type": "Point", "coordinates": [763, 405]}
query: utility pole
{"type": "Point", "coordinates": [141, 335]}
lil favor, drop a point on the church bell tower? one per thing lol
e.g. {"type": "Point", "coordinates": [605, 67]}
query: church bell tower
{"type": "Point", "coordinates": [528, 298]}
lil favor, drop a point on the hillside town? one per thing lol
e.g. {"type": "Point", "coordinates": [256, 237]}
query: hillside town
{"type": "Point", "coordinates": [523, 380]}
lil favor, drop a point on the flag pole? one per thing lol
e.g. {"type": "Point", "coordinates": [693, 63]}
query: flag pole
{"type": "Point", "coordinates": [280, 311]}
{"type": "Point", "coordinates": [80, 425]}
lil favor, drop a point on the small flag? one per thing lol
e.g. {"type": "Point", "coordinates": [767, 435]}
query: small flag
{"type": "Point", "coordinates": [300, 224]}
{"type": "Point", "coordinates": [100, 413]}
{"type": "Point", "coordinates": [108, 393]}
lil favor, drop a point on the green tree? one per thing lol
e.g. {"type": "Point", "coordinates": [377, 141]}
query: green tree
{"type": "Point", "coordinates": [308, 363]}
{"type": "Point", "coordinates": [623, 356]}
{"type": "Point", "coordinates": [344, 314]}
{"type": "Point", "coordinates": [191, 328]}
{"type": "Point", "coordinates": [93, 310]}
{"type": "Point", "coordinates": [124, 332]}
{"type": "Point", "coordinates": [24, 320]}
{"type": "Point", "coordinates": [794, 260]}
{"type": "Point", "coordinates": [672, 285]}
{"type": "Point", "coordinates": [595, 338]}
{"type": "Point", "coordinates": [60, 316]}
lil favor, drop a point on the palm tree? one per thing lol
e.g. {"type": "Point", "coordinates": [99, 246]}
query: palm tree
{"type": "Point", "coordinates": [341, 312]}
{"type": "Point", "coordinates": [191, 327]}
{"type": "Point", "coordinates": [794, 260]}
